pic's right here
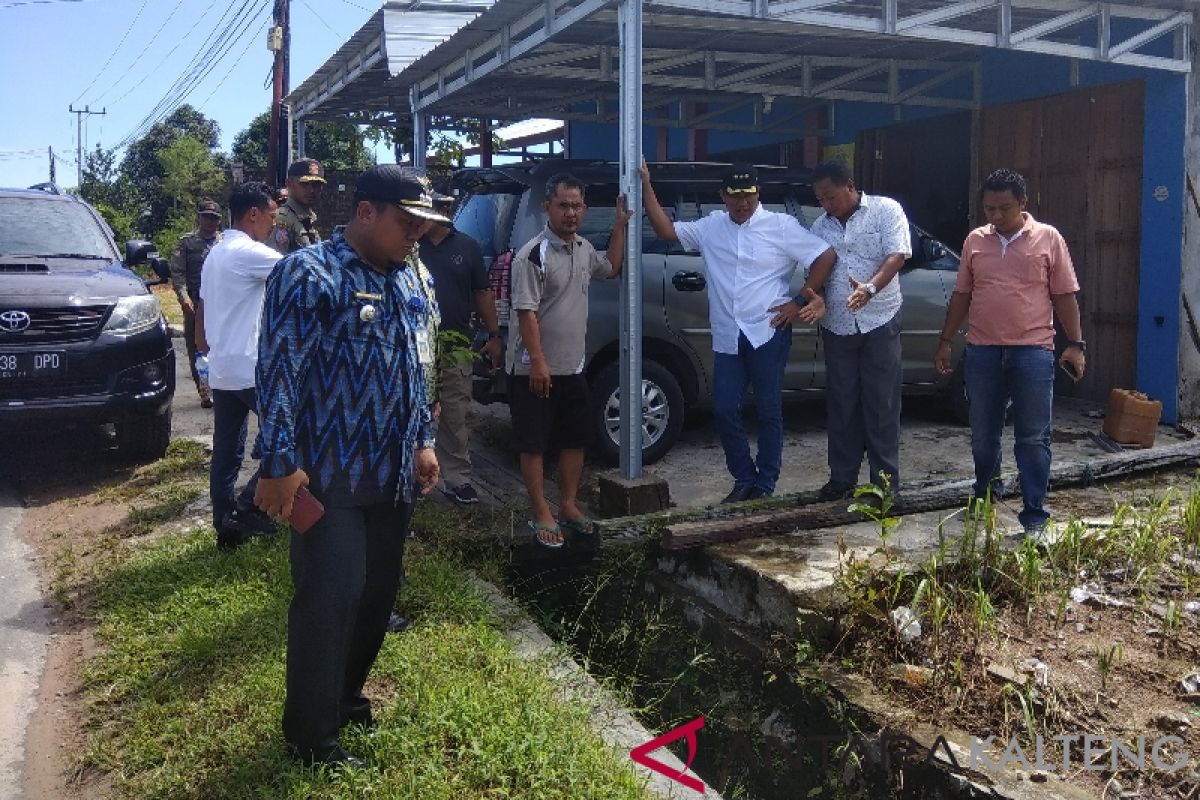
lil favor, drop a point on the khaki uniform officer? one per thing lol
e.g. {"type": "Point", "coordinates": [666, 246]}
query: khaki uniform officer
{"type": "Point", "coordinates": [296, 225]}
{"type": "Point", "coordinates": [186, 262]}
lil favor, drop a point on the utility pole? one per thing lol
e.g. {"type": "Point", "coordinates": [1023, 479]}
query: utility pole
{"type": "Point", "coordinates": [278, 42]}
{"type": "Point", "coordinates": [79, 112]}
{"type": "Point", "coordinates": [50, 150]}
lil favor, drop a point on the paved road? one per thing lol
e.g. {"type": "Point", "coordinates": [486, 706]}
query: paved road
{"type": "Point", "coordinates": [24, 638]}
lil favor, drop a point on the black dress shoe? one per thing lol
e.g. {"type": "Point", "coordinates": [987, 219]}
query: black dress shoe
{"type": "Point", "coordinates": [229, 540]}
{"type": "Point", "coordinates": [329, 757]}
{"type": "Point", "coordinates": [250, 522]}
{"type": "Point", "coordinates": [756, 493]}
{"type": "Point", "coordinates": [740, 492]}
{"type": "Point", "coordinates": [833, 490]}
{"type": "Point", "coordinates": [397, 624]}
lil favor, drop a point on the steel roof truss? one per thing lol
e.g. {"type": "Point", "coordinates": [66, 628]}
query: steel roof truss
{"type": "Point", "coordinates": [1001, 29]}
{"type": "Point", "coordinates": [512, 41]}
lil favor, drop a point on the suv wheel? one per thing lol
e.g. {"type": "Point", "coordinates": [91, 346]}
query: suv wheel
{"type": "Point", "coordinates": [662, 411]}
{"type": "Point", "coordinates": [144, 438]}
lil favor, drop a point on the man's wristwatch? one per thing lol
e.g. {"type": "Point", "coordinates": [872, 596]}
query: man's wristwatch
{"type": "Point", "coordinates": [494, 334]}
{"type": "Point", "coordinates": [871, 288]}
{"type": "Point", "coordinates": [1080, 345]}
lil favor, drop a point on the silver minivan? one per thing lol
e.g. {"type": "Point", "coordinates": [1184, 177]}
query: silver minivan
{"type": "Point", "coordinates": [501, 208]}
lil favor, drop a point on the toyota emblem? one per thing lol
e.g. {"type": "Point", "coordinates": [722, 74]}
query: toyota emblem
{"type": "Point", "coordinates": [13, 321]}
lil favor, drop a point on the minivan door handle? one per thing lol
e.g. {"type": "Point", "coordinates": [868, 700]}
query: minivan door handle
{"type": "Point", "coordinates": [688, 281]}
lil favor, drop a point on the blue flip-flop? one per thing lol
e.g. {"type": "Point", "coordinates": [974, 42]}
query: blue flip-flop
{"type": "Point", "coordinates": [585, 526]}
{"type": "Point", "coordinates": [538, 530]}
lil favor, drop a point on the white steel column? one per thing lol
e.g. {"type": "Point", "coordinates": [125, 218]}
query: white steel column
{"type": "Point", "coordinates": [629, 20]}
{"type": "Point", "coordinates": [418, 130]}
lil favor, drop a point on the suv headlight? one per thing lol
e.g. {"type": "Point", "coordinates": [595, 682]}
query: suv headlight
{"type": "Point", "coordinates": [134, 315]}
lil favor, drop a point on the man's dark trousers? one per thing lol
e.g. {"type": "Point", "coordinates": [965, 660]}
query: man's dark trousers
{"type": "Point", "coordinates": [231, 408]}
{"type": "Point", "coordinates": [345, 570]}
{"type": "Point", "coordinates": [862, 401]}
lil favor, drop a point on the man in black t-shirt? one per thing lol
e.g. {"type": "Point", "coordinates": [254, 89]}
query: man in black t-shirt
{"type": "Point", "coordinates": [460, 282]}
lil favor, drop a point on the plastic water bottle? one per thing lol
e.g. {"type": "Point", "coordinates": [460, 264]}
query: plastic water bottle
{"type": "Point", "coordinates": [202, 372]}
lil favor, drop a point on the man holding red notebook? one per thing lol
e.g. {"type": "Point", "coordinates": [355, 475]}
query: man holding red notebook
{"type": "Point", "coordinates": [345, 414]}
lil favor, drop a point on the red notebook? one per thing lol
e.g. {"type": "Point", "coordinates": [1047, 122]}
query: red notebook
{"type": "Point", "coordinates": [306, 510]}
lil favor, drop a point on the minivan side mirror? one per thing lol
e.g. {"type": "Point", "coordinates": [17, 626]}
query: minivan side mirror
{"type": "Point", "coordinates": [932, 249]}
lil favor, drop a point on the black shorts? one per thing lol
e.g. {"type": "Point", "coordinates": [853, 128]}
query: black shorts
{"type": "Point", "coordinates": [562, 420]}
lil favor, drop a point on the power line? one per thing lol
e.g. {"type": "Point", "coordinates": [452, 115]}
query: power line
{"type": "Point", "coordinates": [360, 8]}
{"type": "Point", "coordinates": [179, 43]}
{"type": "Point", "coordinates": [189, 71]}
{"type": "Point", "coordinates": [38, 3]}
{"type": "Point", "coordinates": [113, 54]}
{"type": "Point", "coordinates": [321, 19]}
{"type": "Point", "coordinates": [138, 57]}
{"type": "Point", "coordinates": [235, 64]}
{"type": "Point", "coordinates": [200, 66]}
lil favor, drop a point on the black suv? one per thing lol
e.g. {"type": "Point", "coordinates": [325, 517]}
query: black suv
{"type": "Point", "coordinates": [82, 340]}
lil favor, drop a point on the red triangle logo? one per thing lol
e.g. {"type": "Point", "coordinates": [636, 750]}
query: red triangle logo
{"type": "Point", "coordinates": [641, 754]}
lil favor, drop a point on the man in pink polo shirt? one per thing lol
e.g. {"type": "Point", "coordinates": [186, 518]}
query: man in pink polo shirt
{"type": "Point", "coordinates": [1015, 277]}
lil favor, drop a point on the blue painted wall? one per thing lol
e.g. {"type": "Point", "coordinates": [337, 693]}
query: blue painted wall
{"type": "Point", "coordinates": [1160, 281]}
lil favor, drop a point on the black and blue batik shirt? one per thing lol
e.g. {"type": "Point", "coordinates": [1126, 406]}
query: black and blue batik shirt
{"type": "Point", "coordinates": [341, 391]}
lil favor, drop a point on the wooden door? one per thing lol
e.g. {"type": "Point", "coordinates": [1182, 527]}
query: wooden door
{"type": "Point", "coordinates": [1081, 153]}
{"type": "Point", "coordinates": [924, 165]}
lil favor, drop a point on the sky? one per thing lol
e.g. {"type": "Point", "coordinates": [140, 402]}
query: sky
{"type": "Point", "coordinates": [124, 56]}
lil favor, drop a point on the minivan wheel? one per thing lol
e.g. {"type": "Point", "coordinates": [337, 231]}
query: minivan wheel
{"type": "Point", "coordinates": [662, 411]}
{"type": "Point", "coordinates": [144, 438]}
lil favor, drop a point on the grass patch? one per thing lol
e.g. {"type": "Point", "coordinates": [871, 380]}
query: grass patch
{"type": "Point", "coordinates": [187, 692]}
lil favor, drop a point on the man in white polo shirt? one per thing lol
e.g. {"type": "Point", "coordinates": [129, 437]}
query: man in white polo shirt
{"type": "Point", "coordinates": [232, 287]}
{"type": "Point", "coordinates": [860, 333]}
{"type": "Point", "coordinates": [750, 254]}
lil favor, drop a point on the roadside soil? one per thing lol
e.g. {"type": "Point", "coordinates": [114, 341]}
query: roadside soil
{"type": "Point", "coordinates": [70, 525]}
{"type": "Point", "coordinates": [1106, 664]}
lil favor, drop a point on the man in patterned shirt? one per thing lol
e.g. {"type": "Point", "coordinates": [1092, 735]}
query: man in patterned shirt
{"type": "Point", "coordinates": [344, 411]}
{"type": "Point", "coordinates": [860, 332]}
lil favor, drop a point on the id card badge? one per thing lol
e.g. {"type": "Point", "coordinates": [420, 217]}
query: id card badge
{"type": "Point", "coordinates": [424, 347]}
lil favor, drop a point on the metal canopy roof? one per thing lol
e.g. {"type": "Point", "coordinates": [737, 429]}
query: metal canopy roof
{"type": "Point", "coordinates": [559, 58]}
{"type": "Point", "coordinates": [359, 76]}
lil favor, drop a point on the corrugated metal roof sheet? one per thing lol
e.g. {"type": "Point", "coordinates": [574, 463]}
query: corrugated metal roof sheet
{"type": "Point", "coordinates": [358, 76]}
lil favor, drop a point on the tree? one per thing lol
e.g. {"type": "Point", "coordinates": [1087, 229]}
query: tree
{"type": "Point", "coordinates": [190, 174]}
{"type": "Point", "coordinates": [337, 145]}
{"type": "Point", "coordinates": [145, 172]}
{"type": "Point", "coordinates": [110, 191]}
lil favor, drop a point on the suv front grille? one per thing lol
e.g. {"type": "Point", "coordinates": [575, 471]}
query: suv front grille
{"type": "Point", "coordinates": [24, 268]}
{"type": "Point", "coordinates": [57, 325]}
{"type": "Point", "coordinates": [25, 389]}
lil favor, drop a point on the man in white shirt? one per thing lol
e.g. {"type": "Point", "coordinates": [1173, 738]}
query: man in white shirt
{"type": "Point", "coordinates": [232, 287]}
{"type": "Point", "coordinates": [860, 333]}
{"type": "Point", "coordinates": [750, 255]}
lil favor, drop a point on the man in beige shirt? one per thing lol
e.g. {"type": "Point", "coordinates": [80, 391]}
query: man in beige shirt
{"type": "Point", "coordinates": [548, 393]}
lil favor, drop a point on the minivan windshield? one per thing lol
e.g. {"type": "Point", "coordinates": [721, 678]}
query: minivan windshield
{"type": "Point", "coordinates": [44, 228]}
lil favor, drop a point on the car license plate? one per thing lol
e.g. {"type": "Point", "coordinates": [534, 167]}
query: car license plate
{"type": "Point", "coordinates": [33, 365]}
